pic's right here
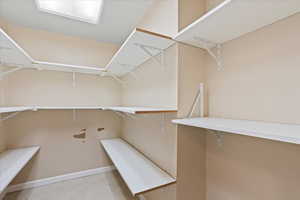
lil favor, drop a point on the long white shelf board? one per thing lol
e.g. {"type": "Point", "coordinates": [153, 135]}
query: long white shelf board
{"type": "Point", "coordinates": [274, 131]}
{"type": "Point", "coordinates": [139, 173]}
{"type": "Point", "coordinates": [13, 55]}
{"type": "Point", "coordinates": [130, 55]}
{"type": "Point", "coordinates": [234, 18]}
{"type": "Point", "coordinates": [69, 107]}
{"type": "Point", "coordinates": [12, 162]}
{"type": "Point", "coordinates": [140, 110]}
{"type": "Point", "coordinates": [15, 109]}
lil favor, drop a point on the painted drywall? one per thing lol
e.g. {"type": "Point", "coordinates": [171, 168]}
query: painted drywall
{"type": "Point", "coordinates": [259, 82]}
{"type": "Point", "coordinates": [191, 182]}
{"type": "Point", "coordinates": [53, 131]}
{"type": "Point", "coordinates": [189, 11]}
{"type": "Point", "coordinates": [153, 85]}
{"type": "Point", "coordinates": [161, 17]}
{"type": "Point", "coordinates": [2, 137]}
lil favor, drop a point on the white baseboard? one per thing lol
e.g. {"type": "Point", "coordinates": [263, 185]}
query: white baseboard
{"type": "Point", "coordinates": [55, 179]}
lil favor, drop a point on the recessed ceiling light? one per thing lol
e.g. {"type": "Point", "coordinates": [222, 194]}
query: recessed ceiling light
{"type": "Point", "coordinates": [82, 10]}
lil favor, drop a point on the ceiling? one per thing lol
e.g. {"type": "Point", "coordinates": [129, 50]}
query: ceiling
{"type": "Point", "coordinates": [118, 19]}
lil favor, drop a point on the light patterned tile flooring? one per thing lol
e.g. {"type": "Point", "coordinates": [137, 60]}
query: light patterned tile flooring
{"type": "Point", "coordinates": [106, 186]}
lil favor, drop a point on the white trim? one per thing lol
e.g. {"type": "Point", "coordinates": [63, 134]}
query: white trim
{"type": "Point", "coordinates": [55, 179]}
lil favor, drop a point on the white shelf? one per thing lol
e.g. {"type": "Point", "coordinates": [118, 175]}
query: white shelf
{"type": "Point", "coordinates": [274, 131]}
{"type": "Point", "coordinates": [140, 110]}
{"type": "Point", "coordinates": [234, 18]}
{"type": "Point", "coordinates": [130, 55]}
{"type": "Point", "coordinates": [15, 109]}
{"type": "Point", "coordinates": [139, 173]}
{"type": "Point", "coordinates": [69, 107]}
{"type": "Point", "coordinates": [13, 55]}
{"type": "Point", "coordinates": [12, 162]}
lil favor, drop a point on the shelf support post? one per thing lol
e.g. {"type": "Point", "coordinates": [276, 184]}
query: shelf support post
{"type": "Point", "coordinates": [198, 99]}
{"type": "Point", "coordinates": [209, 46]}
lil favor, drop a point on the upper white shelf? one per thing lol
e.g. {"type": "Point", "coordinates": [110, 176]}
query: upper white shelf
{"type": "Point", "coordinates": [69, 107]}
{"type": "Point", "coordinates": [234, 18]}
{"type": "Point", "coordinates": [139, 173]}
{"type": "Point", "coordinates": [140, 110]}
{"type": "Point", "coordinates": [12, 162]}
{"type": "Point", "coordinates": [15, 109]}
{"type": "Point", "coordinates": [132, 53]}
{"type": "Point", "coordinates": [274, 131]}
{"type": "Point", "coordinates": [14, 55]}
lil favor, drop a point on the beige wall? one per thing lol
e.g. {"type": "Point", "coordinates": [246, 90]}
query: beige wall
{"type": "Point", "coordinates": [189, 11]}
{"type": "Point", "coordinates": [259, 82]}
{"type": "Point", "coordinates": [154, 85]}
{"type": "Point", "coordinates": [60, 152]}
{"type": "Point", "coordinates": [161, 18]}
{"type": "Point", "coordinates": [2, 138]}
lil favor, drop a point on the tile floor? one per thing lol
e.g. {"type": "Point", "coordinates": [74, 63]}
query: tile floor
{"type": "Point", "coordinates": [106, 186]}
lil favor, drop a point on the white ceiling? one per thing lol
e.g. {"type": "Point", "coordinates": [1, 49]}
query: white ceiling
{"type": "Point", "coordinates": [118, 19]}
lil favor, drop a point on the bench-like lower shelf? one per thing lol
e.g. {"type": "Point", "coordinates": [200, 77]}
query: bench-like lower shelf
{"type": "Point", "coordinates": [139, 173]}
{"type": "Point", "coordinates": [273, 131]}
{"type": "Point", "coordinates": [12, 162]}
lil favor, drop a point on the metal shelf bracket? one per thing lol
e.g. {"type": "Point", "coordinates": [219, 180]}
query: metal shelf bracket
{"type": "Point", "coordinates": [210, 47]}
{"type": "Point", "coordinates": [9, 116]}
{"type": "Point", "coordinates": [5, 73]}
{"type": "Point", "coordinates": [147, 48]}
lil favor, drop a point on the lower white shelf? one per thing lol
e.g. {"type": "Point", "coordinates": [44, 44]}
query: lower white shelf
{"type": "Point", "coordinates": [274, 131]}
{"type": "Point", "coordinates": [139, 173]}
{"type": "Point", "coordinates": [140, 110]}
{"type": "Point", "coordinates": [12, 162]}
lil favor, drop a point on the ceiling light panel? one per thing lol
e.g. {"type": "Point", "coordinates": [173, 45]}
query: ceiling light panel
{"type": "Point", "coordinates": [82, 10]}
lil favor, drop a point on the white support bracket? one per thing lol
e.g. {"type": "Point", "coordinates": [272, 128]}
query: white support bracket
{"type": "Point", "coordinates": [209, 47]}
{"type": "Point", "coordinates": [9, 116]}
{"type": "Point", "coordinates": [121, 114]}
{"type": "Point", "coordinates": [5, 73]}
{"type": "Point", "coordinates": [198, 99]}
{"type": "Point", "coordinates": [130, 67]}
{"type": "Point", "coordinates": [123, 83]}
{"type": "Point", "coordinates": [146, 49]}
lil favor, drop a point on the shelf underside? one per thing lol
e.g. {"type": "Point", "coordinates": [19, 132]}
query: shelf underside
{"type": "Point", "coordinates": [234, 18]}
{"type": "Point", "coordinates": [273, 131]}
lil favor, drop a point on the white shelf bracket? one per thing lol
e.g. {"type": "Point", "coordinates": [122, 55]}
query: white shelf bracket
{"type": "Point", "coordinates": [199, 99]}
{"type": "Point", "coordinates": [5, 73]}
{"type": "Point", "coordinates": [147, 48]}
{"type": "Point", "coordinates": [210, 47]}
{"type": "Point", "coordinates": [9, 116]}
{"type": "Point", "coordinates": [130, 67]}
{"type": "Point", "coordinates": [123, 83]}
